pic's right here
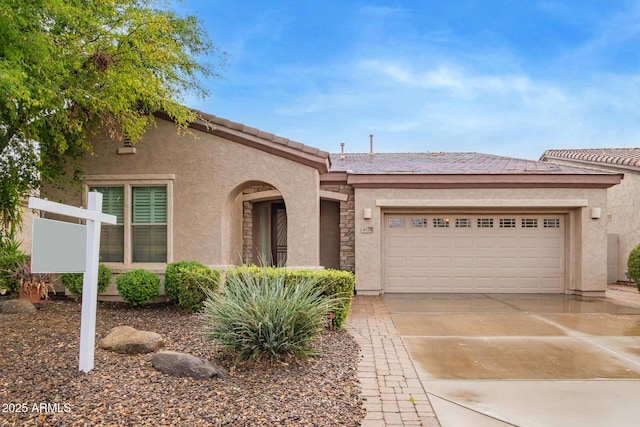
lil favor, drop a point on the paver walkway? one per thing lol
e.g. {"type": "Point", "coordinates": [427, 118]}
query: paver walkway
{"type": "Point", "coordinates": [393, 393]}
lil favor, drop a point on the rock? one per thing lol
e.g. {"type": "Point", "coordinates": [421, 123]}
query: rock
{"type": "Point", "coordinates": [125, 339]}
{"type": "Point", "coordinates": [17, 306]}
{"type": "Point", "coordinates": [185, 365]}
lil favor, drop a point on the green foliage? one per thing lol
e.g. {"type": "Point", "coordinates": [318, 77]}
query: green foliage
{"type": "Point", "coordinates": [185, 281]}
{"type": "Point", "coordinates": [262, 317]}
{"type": "Point", "coordinates": [333, 283]}
{"type": "Point", "coordinates": [18, 175]}
{"type": "Point", "coordinates": [71, 68]}
{"type": "Point", "coordinates": [11, 258]}
{"type": "Point", "coordinates": [74, 281]}
{"type": "Point", "coordinates": [633, 266]}
{"type": "Point", "coordinates": [138, 286]}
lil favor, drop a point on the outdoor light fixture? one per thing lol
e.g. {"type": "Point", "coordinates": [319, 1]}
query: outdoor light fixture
{"type": "Point", "coordinates": [366, 214]}
{"type": "Point", "coordinates": [596, 213]}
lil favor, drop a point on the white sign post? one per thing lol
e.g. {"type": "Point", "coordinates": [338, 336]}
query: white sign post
{"type": "Point", "coordinates": [94, 217]}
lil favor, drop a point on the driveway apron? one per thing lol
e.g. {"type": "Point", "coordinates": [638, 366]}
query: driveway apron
{"type": "Point", "coordinates": [522, 360]}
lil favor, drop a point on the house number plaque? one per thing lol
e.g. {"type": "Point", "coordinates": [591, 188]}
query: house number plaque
{"type": "Point", "coordinates": [366, 229]}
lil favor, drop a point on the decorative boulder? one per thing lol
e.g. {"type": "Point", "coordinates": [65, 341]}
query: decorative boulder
{"type": "Point", "coordinates": [185, 365]}
{"type": "Point", "coordinates": [125, 339]}
{"type": "Point", "coordinates": [13, 306]}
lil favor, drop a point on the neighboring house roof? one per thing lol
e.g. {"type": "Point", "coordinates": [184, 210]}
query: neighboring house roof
{"type": "Point", "coordinates": [260, 140]}
{"type": "Point", "coordinates": [616, 157]}
{"type": "Point", "coordinates": [443, 163]}
{"type": "Point", "coordinates": [444, 170]}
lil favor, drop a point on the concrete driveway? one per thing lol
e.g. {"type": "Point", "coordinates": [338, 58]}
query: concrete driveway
{"type": "Point", "coordinates": [523, 360]}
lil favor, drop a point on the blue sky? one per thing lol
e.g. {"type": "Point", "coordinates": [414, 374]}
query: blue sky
{"type": "Point", "coordinates": [504, 77]}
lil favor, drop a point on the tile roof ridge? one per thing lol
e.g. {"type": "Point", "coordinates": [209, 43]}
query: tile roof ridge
{"type": "Point", "coordinates": [268, 136]}
{"type": "Point", "coordinates": [613, 156]}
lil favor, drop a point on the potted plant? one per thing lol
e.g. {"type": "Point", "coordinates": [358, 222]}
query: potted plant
{"type": "Point", "coordinates": [33, 286]}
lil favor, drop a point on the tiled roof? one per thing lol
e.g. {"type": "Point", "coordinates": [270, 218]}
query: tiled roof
{"type": "Point", "coordinates": [219, 121]}
{"type": "Point", "coordinates": [613, 156]}
{"type": "Point", "coordinates": [445, 164]}
{"type": "Point", "coordinates": [259, 139]}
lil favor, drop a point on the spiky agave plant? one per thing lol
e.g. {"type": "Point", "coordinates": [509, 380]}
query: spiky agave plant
{"type": "Point", "coordinates": [262, 317]}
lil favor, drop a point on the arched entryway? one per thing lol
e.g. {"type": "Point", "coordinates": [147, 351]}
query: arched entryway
{"type": "Point", "coordinates": [265, 226]}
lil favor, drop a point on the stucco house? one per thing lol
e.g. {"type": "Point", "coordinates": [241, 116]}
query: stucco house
{"type": "Point", "coordinates": [623, 200]}
{"type": "Point", "coordinates": [403, 222]}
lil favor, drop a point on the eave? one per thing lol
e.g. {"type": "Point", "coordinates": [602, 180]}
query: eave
{"type": "Point", "coordinates": [484, 180]}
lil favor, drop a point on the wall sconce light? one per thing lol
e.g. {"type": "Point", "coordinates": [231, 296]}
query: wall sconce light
{"type": "Point", "coordinates": [596, 213]}
{"type": "Point", "coordinates": [366, 214]}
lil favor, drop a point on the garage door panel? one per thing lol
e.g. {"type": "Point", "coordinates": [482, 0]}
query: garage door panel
{"type": "Point", "coordinates": [485, 242]}
{"type": "Point", "coordinates": [441, 284]}
{"type": "Point", "coordinates": [418, 262]}
{"type": "Point", "coordinates": [552, 264]}
{"type": "Point", "coordinates": [419, 242]}
{"type": "Point", "coordinates": [463, 242]}
{"type": "Point", "coordinates": [473, 253]}
{"type": "Point", "coordinates": [507, 242]}
{"type": "Point", "coordinates": [550, 283]}
{"type": "Point", "coordinates": [485, 262]}
{"type": "Point", "coordinates": [397, 283]}
{"type": "Point", "coordinates": [505, 262]}
{"type": "Point", "coordinates": [529, 262]}
{"type": "Point", "coordinates": [440, 262]}
{"type": "Point", "coordinates": [463, 262]}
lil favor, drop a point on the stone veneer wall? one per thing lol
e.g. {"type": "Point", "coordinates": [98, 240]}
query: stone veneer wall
{"type": "Point", "coordinates": [347, 226]}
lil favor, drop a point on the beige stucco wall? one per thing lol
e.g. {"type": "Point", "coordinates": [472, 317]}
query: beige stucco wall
{"type": "Point", "coordinates": [623, 216]}
{"type": "Point", "coordinates": [586, 237]}
{"type": "Point", "coordinates": [624, 220]}
{"type": "Point", "coordinates": [209, 174]}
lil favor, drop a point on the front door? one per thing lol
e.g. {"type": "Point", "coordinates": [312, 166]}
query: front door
{"type": "Point", "coordinates": [278, 234]}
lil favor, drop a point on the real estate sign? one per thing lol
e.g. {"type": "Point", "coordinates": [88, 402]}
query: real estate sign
{"type": "Point", "coordinates": [57, 248]}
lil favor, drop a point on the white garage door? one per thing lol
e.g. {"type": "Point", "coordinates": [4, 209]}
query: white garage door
{"type": "Point", "coordinates": [474, 253]}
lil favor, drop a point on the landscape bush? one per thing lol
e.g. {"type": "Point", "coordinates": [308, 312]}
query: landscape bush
{"type": "Point", "coordinates": [336, 284]}
{"type": "Point", "coordinates": [73, 281]}
{"type": "Point", "coordinates": [261, 316]}
{"type": "Point", "coordinates": [138, 286]}
{"type": "Point", "coordinates": [633, 266]}
{"type": "Point", "coordinates": [185, 282]}
{"type": "Point", "coordinates": [11, 257]}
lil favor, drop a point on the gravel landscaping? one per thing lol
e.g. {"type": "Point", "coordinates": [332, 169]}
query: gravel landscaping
{"type": "Point", "coordinates": [40, 383]}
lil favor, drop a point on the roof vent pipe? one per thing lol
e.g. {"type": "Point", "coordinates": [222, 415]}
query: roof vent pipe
{"type": "Point", "coordinates": [370, 143]}
{"type": "Point", "coordinates": [342, 150]}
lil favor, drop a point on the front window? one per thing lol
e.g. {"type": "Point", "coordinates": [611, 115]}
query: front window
{"type": "Point", "coordinates": [112, 236]}
{"type": "Point", "coordinates": [149, 224]}
{"type": "Point", "coordinates": [141, 232]}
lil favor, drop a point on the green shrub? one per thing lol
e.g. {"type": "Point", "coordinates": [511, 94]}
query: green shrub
{"type": "Point", "coordinates": [334, 283]}
{"type": "Point", "coordinates": [11, 257]}
{"type": "Point", "coordinates": [74, 281]}
{"type": "Point", "coordinates": [633, 266]}
{"type": "Point", "coordinates": [138, 286]}
{"type": "Point", "coordinates": [259, 316]}
{"type": "Point", "coordinates": [185, 281]}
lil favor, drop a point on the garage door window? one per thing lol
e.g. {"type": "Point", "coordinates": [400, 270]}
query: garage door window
{"type": "Point", "coordinates": [419, 222]}
{"type": "Point", "coordinates": [463, 222]}
{"type": "Point", "coordinates": [529, 223]}
{"type": "Point", "coordinates": [485, 222]}
{"type": "Point", "coordinates": [395, 222]}
{"type": "Point", "coordinates": [507, 223]}
{"type": "Point", "coordinates": [552, 223]}
{"type": "Point", "coordinates": [441, 222]}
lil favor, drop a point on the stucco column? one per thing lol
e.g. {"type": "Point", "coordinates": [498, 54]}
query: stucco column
{"type": "Point", "coordinates": [368, 238]}
{"type": "Point", "coordinates": [303, 223]}
{"type": "Point", "coordinates": [593, 241]}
